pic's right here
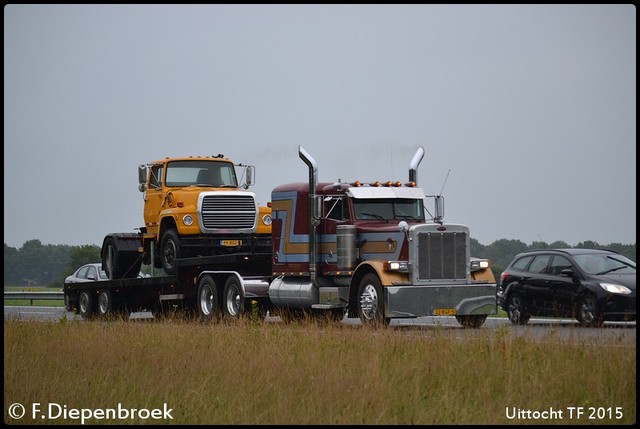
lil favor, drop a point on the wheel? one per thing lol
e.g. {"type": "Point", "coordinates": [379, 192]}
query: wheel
{"type": "Point", "coordinates": [208, 300]}
{"type": "Point", "coordinates": [474, 321]}
{"type": "Point", "coordinates": [105, 303]}
{"type": "Point", "coordinates": [85, 304]}
{"type": "Point", "coordinates": [233, 298]}
{"type": "Point", "coordinates": [67, 302]}
{"type": "Point", "coordinates": [588, 313]}
{"type": "Point", "coordinates": [371, 301]}
{"type": "Point", "coordinates": [516, 311]}
{"type": "Point", "coordinates": [170, 251]}
{"type": "Point", "coordinates": [120, 265]}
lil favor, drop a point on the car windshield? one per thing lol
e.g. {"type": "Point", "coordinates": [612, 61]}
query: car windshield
{"type": "Point", "coordinates": [599, 264]}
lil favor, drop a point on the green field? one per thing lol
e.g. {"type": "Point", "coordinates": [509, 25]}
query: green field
{"type": "Point", "coordinates": [274, 373]}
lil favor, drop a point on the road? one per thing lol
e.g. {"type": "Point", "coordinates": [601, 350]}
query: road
{"type": "Point", "coordinates": [612, 333]}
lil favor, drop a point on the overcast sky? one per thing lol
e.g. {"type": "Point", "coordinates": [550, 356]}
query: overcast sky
{"type": "Point", "coordinates": [531, 110]}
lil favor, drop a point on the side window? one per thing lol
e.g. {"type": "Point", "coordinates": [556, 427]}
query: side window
{"type": "Point", "coordinates": [539, 264]}
{"type": "Point", "coordinates": [156, 176]}
{"type": "Point", "coordinates": [522, 263]}
{"type": "Point", "coordinates": [92, 273]}
{"type": "Point", "coordinates": [558, 264]}
{"type": "Point", "coordinates": [336, 209]}
{"type": "Point", "coordinates": [82, 274]}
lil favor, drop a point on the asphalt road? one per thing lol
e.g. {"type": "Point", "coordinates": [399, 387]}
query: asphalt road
{"type": "Point", "coordinates": [622, 334]}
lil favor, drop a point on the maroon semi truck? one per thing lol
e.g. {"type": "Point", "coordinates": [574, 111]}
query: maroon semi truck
{"type": "Point", "coordinates": [370, 251]}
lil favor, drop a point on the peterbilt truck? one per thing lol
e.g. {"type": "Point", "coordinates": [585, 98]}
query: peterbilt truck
{"type": "Point", "coordinates": [371, 251]}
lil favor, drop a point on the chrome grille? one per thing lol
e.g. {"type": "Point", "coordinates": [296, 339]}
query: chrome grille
{"type": "Point", "coordinates": [228, 212]}
{"type": "Point", "coordinates": [442, 255]}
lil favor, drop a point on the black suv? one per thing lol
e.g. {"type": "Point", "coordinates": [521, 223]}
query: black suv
{"type": "Point", "coordinates": [587, 284]}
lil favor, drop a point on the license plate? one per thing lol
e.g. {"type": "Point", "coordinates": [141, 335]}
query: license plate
{"type": "Point", "coordinates": [231, 242]}
{"type": "Point", "coordinates": [444, 311]}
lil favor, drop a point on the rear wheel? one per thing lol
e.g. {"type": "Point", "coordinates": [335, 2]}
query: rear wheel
{"type": "Point", "coordinates": [516, 310]}
{"type": "Point", "coordinates": [118, 264]}
{"type": "Point", "coordinates": [86, 306]}
{"type": "Point", "coordinates": [208, 300]}
{"type": "Point", "coordinates": [588, 313]}
{"type": "Point", "coordinates": [170, 251]}
{"type": "Point", "coordinates": [474, 321]}
{"type": "Point", "coordinates": [105, 303]}
{"type": "Point", "coordinates": [371, 301]}
{"type": "Point", "coordinates": [232, 298]}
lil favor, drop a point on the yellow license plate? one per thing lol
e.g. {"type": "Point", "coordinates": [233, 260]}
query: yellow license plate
{"type": "Point", "coordinates": [231, 242]}
{"type": "Point", "coordinates": [444, 311]}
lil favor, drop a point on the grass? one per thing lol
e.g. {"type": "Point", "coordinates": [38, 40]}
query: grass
{"type": "Point", "coordinates": [38, 302]}
{"type": "Point", "coordinates": [274, 373]}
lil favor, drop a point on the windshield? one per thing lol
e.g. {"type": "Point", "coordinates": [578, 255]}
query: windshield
{"type": "Point", "coordinates": [201, 173]}
{"type": "Point", "coordinates": [605, 263]}
{"type": "Point", "coordinates": [388, 209]}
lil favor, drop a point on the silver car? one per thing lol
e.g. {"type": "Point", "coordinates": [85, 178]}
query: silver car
{"type": "Point", "coordinates": [88, 273]}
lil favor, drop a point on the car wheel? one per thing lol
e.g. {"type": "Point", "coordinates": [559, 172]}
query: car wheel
{"type": "Point", "coordinates": [516, 310]}
{"type": "Point", "coordinates": [170, 251]}
{"type": "Point", "coordinates": [588, 313]}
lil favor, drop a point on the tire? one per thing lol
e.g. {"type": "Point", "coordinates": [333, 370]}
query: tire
{"type": "Point", "coordinates": [120, 265]}
{"type": "Point", "coordinates": [588, 313]}
{"type": "Point", "coordinates": [474, 321]}
{"type": "Point", "coordinates": [170, 251]}
{"type": "Point", "coordinates": [86, 305]}
{"type": "Point", "coordinates": [232, 298]}
{"type": "Point", "coordinates": [371, 302]}
{"type": "Point", "coordinates": [516, 310]}
{"type": "Point", "coordinates": [208, 300]}
{"type": "Point", "coordinates": [105, 304]}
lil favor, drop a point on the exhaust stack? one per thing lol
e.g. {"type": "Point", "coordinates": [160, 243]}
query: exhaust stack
{"type": "Point", "coordinates": [413, 166]}
{"type": "Point", "coordinates": [313, 222]}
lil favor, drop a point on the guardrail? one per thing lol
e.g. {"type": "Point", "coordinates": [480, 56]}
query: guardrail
{"type": "Point", "coordinates": [31, 296]}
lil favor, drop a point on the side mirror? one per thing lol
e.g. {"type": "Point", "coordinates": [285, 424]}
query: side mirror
{"type": "Point", "coordinates": [568, 272]}
{"type": "Point", "coordinates": [142, 177]}
{"type": "Point", "coordinates": [250, 176]}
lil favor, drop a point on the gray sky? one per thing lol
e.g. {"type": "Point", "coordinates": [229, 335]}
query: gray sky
{"type": "Point", "coordinates": [531, 108]}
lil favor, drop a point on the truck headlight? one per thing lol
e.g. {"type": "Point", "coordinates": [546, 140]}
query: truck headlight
{"type": "Point", "coordinates": [266, 219]}
{"type": "Point", "coordinates": [399, 266]}
{"type": "Point", "coordinates": [187, 220]}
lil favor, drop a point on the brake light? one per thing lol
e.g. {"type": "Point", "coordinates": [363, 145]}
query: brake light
{"type": "Point", "coordinates": [503, 276]}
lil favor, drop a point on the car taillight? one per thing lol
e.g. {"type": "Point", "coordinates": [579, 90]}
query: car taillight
{"type": "Point", "coordinates": [503, 276]}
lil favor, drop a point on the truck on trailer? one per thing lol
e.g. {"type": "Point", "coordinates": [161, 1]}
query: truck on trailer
{"type": "Point", "coordinates": [371, 251]}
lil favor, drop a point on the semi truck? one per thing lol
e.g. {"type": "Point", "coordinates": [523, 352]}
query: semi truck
{"type": "Point", "coordinates": [375, 251]}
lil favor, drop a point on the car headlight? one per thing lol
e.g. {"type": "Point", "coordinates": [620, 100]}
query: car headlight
{"type": "Point", "coordinates": [614, 288]}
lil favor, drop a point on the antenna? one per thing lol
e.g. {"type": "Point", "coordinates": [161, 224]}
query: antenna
{"type": "Point", "coordinates": [445, 182]}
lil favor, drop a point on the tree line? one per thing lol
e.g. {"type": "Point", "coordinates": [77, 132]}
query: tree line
{"type": "Point", "coordinates": [48, 265]}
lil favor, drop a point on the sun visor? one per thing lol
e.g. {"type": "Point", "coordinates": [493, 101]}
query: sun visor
{"type": "Point", "coordinates": [385, 192]}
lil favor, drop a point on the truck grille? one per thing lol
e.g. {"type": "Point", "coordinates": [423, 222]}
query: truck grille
{"type": "Point", "coordinates": [442, 255]}
{"type": "Point", "coordinates": [228, 212]}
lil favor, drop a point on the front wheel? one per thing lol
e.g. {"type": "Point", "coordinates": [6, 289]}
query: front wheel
{"type": "Point", "coordinates": [371, 301]}
{"type": "Point", "coordinates": [208, 299]}
{"type": "Point", "coordinates": [474, 321]}
{"type": "Point", "coordinates": [170, 251]}
{"type": "Point", "coordinates": [588, 313]}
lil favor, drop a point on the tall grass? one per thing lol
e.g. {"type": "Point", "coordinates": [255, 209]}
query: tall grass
{"type": "Point", "coordinates": [274, 373]}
